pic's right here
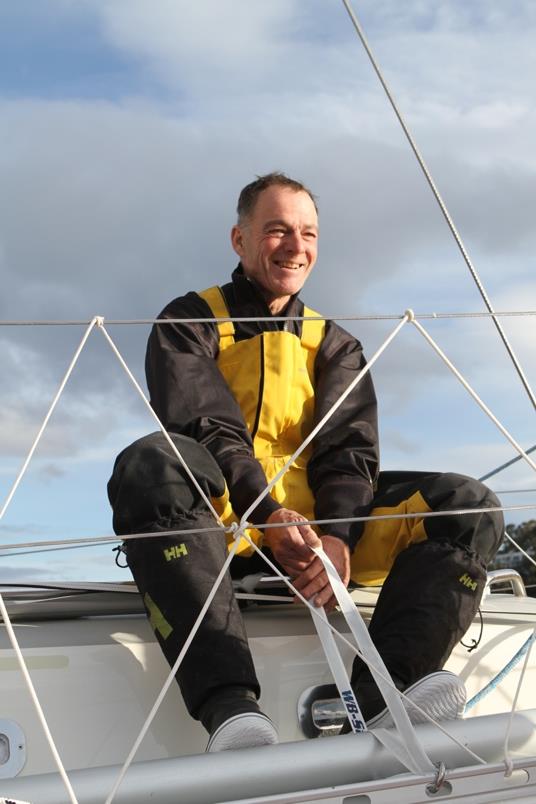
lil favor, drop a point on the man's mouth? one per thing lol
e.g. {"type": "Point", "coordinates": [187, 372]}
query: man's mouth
{"type": "Point", "coordinates": [288, 265]}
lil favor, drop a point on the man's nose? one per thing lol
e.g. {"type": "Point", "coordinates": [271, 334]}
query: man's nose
{"type": "Point", "coordinates": [294, 241]}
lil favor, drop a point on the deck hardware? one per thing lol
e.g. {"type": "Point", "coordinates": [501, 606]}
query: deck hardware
{"type": "Point", "coordinates": [12, 749]}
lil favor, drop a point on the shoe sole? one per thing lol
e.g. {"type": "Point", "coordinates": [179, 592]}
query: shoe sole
{"type": "Point", "coordinates": [440, 695]}
{"type": "Point", "coordinates": [246, 730]}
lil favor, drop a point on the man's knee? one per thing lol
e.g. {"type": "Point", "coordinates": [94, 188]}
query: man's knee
{"type": "Point", "coordinates": [150, 485]}
{"type": "Point", "coordinates": [481, 531]}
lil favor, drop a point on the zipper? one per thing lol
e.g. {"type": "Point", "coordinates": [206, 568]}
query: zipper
{"type": "Point", "coordinates": [261, 392]}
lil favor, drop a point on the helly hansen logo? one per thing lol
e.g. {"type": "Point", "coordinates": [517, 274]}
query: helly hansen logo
{"type": "Point", "coordinates": [352, 711]}
{"type": "Point", "coordinates": [468, 582]}
{"type": "Point", "coordinates": [177, 551]}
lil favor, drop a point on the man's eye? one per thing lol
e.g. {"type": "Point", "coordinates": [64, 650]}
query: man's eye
{"type": "Point", "coordinates": [309, 235]}
{"type": "Point", "coordinates": [278, 232]}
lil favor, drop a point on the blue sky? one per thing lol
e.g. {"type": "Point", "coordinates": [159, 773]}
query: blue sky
{"type": "Point", "coordinates": [127, 129]}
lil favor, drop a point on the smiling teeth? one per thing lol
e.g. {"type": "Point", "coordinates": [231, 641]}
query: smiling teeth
{"type": "Point", "coordinates": [293, 265]}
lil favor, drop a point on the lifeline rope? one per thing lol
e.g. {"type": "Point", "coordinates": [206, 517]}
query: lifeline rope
{"type": "Point", "coordinates": [507, 758]}
{"type": "Point", "coordinates": [473, 393]}
{"type": "Point", "coordinates": [95, 541]}
{"type": "Point", "coordinates": [47, 417]}
{"type": "Point", "coordinates": [440, 201]}
{"type": "Point", "coordinates": [491, 685]}
{"type": "Point", "coordinates": [246, 319]}
{"type": "Point", "coordinates": [204, 497]}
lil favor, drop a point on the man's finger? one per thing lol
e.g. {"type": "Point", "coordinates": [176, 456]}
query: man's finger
{"type": "Point", "coordinates": [294, 567]}
{"type": "Point", "coordinates": [316, 587]}
{"type": "Point", "coordinates": [308, 535]}
{"type": "Point", "coordinates": [309, 574]}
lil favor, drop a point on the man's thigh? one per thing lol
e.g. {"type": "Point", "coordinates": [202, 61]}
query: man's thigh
{"type": "Point", "coordinates": [399, 503]}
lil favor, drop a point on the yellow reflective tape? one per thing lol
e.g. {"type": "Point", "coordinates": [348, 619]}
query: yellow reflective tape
{"type": "Point", "coordinates": [156, 618]}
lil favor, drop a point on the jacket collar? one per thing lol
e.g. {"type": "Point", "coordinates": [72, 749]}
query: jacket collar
{"type": "Point", "coordinates": [248, 291]}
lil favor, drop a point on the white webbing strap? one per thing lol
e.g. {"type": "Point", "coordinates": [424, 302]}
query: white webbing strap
{"type": "Point", "coordinates": [415, 759]}
{"type": "Point", "coordinates": [338, 671]}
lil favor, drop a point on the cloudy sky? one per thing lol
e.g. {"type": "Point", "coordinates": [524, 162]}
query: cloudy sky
{"type": "Point", "coordinates": [127, 128]}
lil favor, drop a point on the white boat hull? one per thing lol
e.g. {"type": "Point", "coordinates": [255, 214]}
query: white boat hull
{"type": "Point", "coordinates": [97, 678]}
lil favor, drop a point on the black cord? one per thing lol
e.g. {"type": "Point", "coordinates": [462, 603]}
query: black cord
{"type": "Point", "coordinates": [476, 642]}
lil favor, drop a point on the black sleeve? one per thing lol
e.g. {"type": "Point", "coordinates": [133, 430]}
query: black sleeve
{"type": "Point", "coordinates": [344, 465]}
{"type": "Point", "coordinates": [190, 396]}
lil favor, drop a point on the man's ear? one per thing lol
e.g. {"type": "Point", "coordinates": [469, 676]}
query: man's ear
{"type": "Point", "coordinates": [237, 240]}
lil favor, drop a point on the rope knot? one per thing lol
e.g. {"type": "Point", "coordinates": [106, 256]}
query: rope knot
{"type": "Point", "coordinates": [236, 530]}
{"type": "Point", "coordinates": [437, 784]}
{"type": "Point", "coordinates": [508, 767]}
{"type": "Point", "coordinates": [99, 321]}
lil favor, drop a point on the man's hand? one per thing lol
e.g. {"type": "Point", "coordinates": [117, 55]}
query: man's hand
{"type": "Point", "coordinates": [290, 543]}
{"type": "Point", "coordinates": [313, 581]}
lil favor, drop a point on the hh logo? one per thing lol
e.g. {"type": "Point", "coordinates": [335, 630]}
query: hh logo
{"type": "Point", "coordinates": [177, 551]}
{"type": "Point", "coordinates": [468, 582]}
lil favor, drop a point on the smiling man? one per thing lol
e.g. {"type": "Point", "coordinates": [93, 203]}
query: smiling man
{"type": "Point", "coordinates": [238, 399]}
{"type": "Point", "coordinates": [276, 240]}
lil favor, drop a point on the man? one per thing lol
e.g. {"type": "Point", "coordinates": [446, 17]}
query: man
{"type": "Point", "coordinates": [238, 400]}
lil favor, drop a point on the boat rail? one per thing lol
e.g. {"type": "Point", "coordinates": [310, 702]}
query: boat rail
{"type": "Point", "coordinates": [502, 576]}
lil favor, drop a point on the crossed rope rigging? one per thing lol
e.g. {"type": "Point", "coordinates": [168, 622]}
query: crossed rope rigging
{"type": "Point", "coordinates": [238, 530]}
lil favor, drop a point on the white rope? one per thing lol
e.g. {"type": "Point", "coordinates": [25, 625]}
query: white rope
{"type": "Point", "coordinates": [331, 411]}
{"type": "Point", "coordinates": [168, 438]}
{"type": "Point", "coordinates": [35, 700]}
{"type": "Point", "coordinates": [440, 202]}
{"type": "Point", "coordinates": [96, 541]}
{"type": "Point", "coordinates": [473, 393]}
{"type": "Point", "coordinates": [518, 547]}
{"type": "Point", "coordinates": [47, 417]}
{"type": "Point", "coordinates": [169, 680]}
{"type": "Point", "coordinates": [246, 319]}
{"type": "Point", "coordinates": [507, 758]}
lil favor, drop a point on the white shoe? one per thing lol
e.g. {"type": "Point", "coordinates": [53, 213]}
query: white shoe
{"type": "Point", "coordinates": [247, 730]}
{"type": "Point", "coordinates": [441, 695]}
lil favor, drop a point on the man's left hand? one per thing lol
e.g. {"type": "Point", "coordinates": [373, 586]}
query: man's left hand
{"type": "Point", "coordinates": [313, 581]}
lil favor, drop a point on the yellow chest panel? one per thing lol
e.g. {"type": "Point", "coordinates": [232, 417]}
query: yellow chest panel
{"type": "Point", "coordinates": [272, 379]}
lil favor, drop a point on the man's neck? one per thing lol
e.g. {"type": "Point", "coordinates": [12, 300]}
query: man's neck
{"type": "Point", "coordinates": [277, 305]}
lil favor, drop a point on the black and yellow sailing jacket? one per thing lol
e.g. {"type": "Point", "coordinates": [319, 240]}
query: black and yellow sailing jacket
{"type": "Point", "coordinates": [252, 391]}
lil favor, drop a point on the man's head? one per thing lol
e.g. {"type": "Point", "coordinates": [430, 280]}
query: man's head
{"type": "Point", "coordinates": [276, 236]}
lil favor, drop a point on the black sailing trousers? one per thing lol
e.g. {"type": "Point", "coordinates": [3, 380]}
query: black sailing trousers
{"type": "Point", "coordinates": [426, 604]}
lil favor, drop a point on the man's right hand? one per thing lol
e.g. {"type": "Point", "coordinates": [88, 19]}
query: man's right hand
{"type": "Point", "coordinates": [290, 543]}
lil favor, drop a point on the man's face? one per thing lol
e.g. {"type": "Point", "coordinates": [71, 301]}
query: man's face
{"type": "Point", "coordinates": [277, 244]}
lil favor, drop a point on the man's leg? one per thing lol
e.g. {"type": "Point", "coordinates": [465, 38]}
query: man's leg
{"type": "Point", "coordinates": [150, 492]}
{"type": "Point", "coordinates": [434, 587]}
